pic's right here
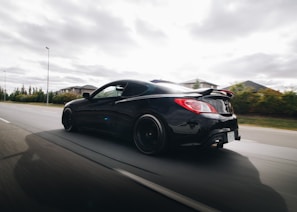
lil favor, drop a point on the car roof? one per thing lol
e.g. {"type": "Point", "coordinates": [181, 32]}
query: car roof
{"type": "Point", "coordinates": [160, 85]}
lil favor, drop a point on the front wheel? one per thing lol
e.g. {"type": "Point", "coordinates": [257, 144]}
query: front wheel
{"type": "Point", "coordinates": [150, 135]}
{"type": "Point", "coordinates": [67, 120]}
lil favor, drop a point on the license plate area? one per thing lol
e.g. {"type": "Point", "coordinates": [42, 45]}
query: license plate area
{"type": "Point", "coordinates": [231, 136]}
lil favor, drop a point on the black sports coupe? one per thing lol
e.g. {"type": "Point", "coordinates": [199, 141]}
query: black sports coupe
{"type": "Point", "coordinates": [156, 115]}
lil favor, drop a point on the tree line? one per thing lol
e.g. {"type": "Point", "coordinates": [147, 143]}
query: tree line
{"type": "Point", "coordinates": [36, 95]}
{"type": "Point", "coordinates": [264, 102]}
{"type": "Point", "coordinates": [245, 101]}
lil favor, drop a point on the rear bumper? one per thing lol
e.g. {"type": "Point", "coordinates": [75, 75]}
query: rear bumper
{"type": "Point", "coordinates": [225, 136]}
{"type": "Point", "coordinates": [206, 130]}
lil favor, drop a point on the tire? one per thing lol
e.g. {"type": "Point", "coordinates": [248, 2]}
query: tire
{"type": "Point", "coordinates": [68, 121]}
{"type": "Point", "coordinates": [150, 135]}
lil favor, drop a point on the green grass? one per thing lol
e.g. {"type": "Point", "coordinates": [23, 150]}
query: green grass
{"type": "Point", "coordinates": [281, 123]}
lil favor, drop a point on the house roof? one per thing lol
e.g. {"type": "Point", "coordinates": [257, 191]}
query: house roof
{"type": "Point", "coordinates": [90, 87]}
{"type": "Point", "coordinates": [255, 86]}
{"type": "Point", "coordinates": [193, 81]}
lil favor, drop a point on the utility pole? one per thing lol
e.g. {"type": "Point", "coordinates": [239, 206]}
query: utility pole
{"type": "Point", "coordinates": [47, 74]}
{"type": "Point", "coordinates": [4, 85]}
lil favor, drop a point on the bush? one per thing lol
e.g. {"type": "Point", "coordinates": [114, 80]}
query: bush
{"type": "Point", "coordinates": [264, 102]}
{"type": "Point", "coordinates": [64, 97]}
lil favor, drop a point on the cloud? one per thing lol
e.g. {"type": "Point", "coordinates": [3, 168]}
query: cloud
{"type": "Point", "coordinates": [73, 27]}
{"type": "Point", "coordinates": [293, 43]}
{"type": "Point", "coordinates": [149, 31]}
{"type": "Point", "coordinates": [96, 41]}
{"type": "Point", "coordinates": [97, 73]}
{"type": "Point", "coordinates": [260, 65]}
{"type": "Point", "coordinates": [17, 77]}
{"type": "Point", "coordinates": [233, 19]}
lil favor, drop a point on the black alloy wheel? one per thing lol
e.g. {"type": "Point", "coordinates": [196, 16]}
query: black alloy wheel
{"type": "Point", "coordinates": [67, 120]}
{"type": "Point", "coordinates": [150, 135]}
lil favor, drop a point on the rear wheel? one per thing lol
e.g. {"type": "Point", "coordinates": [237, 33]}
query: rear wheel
{"type": "Point", "coordinates": [150, 135]}
{"type": "Point", "coordinates": [67, 120]}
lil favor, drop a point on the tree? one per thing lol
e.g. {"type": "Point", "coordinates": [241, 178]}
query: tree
{"type": "Point", "coordinates": [30, 90]}
{"type": "Point", "coordinates": [196, 85]}
{"type": "Point", "coordinates": [14, 94]}
{"type": "Point", "coordinates": [263, 102]}
{"type": "Point", "coordinates": [289, 99]}
{"type": "Point", "coordinates": [64, 97]}
{"type": "Point", "coordinates": [23, 90]}
{"type": "Point", "coordinates": [270, 102]}
{"type": "Point", "coordinates": [244, 100]}
{"type": "Point", "coordinates": [2, 93]}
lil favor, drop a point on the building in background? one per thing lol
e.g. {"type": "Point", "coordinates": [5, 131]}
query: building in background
{"type": "Point", "coordinates": [198, 83]}
{"type": "Point", "coordinates": [78, 90]}
{"type": "Point", "coordinates": [250, 84]}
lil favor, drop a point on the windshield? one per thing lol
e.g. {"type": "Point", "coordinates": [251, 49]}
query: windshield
{"type": "Point", "coordinates": [175, 88]}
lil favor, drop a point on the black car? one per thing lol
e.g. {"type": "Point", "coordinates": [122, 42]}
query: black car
{"type": "Point", "coordinates": [156, 115]}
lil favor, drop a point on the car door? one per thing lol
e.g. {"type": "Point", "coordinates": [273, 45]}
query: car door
{"type": "Point", "coordinates": [99, 113]}
{"type": "Point", "coordinates": [128, 106]}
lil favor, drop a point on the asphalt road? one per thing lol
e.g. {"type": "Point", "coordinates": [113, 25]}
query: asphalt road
{"type": "Point", "coordinates": [44, 168]}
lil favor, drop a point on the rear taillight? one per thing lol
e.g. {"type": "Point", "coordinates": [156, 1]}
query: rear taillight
{"type": "Point", "coordinates": [195, 106]}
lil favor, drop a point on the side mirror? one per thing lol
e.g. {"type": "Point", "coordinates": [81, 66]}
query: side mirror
{"type": "Point", "coordinates": [86, 95]}
{"type": "Point", "coordinates": [119, 88]}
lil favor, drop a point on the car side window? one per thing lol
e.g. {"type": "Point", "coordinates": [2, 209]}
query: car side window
{"type": "Point", "coordinates": [134, 89]}
{"type": "Point", "coordinates": [110, 91]}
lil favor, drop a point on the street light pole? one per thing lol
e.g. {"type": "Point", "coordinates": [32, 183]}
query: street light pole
{"type": "Point", "coordinates": [47, 74]}
{"type": "Point", "coordinates": [4, 86]}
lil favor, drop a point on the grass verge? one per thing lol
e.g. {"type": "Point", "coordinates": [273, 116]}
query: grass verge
{"type": "Point", "coordinates": [36, 103]}
{"type": "Point", "coordinates": [263, 121]}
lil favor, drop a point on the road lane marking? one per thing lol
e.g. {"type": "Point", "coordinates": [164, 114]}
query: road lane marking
{"type": "Point", "coordinates": [168, 193]}
{"type": "Point", "coordinates": [4, 120]}
{"type": "Point", "coordinates": [11, 156]}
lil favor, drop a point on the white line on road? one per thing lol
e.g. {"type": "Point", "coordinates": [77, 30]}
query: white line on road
{"type": "Point", "coordinates": [168, 193]}
{"type": "Point", "coordinates": [4, 120]}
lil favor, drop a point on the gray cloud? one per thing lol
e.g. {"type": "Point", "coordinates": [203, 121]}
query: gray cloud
{"type": "Point", "coordinates": [105, 32]}
{"type": "Point", "coordinates": [149, 31]}
{"type": "Point", "coordinates": [73, 28]}
{"type": "Point", "coordinates": [101, 72]}
{"type": "Point", "coordinates": [231, 19]}
{"type": "Point", "coordinates": [97, 71]}
{"type": "Point", "coordinates": [150, 2]}
{"type": "Point", "coordinates": [293, 44]}
{"type": "Point", "coordinates": [17, 77]}
{"type": "Point", "coordinates": [251, 66]}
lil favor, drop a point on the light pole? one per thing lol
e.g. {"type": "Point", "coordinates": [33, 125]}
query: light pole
{"type": "Point", "coordinates": [47, 74]}
{"type": "Point", "coordinates": [4, 86]}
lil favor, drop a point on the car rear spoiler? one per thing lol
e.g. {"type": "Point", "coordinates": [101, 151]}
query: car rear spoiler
{"type": "Point", "coordinates": [209, 91]}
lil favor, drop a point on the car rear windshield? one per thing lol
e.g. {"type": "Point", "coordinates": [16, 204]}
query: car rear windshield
{"type": "Point", "coordinates": [174, 88]}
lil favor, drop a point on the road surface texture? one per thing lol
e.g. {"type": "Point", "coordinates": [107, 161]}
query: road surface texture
{"type": "Point", "coordinates": [44, 168]}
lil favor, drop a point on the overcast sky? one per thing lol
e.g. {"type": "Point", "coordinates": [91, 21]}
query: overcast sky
{"type": "Point", "coordinates": [97, 41]}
